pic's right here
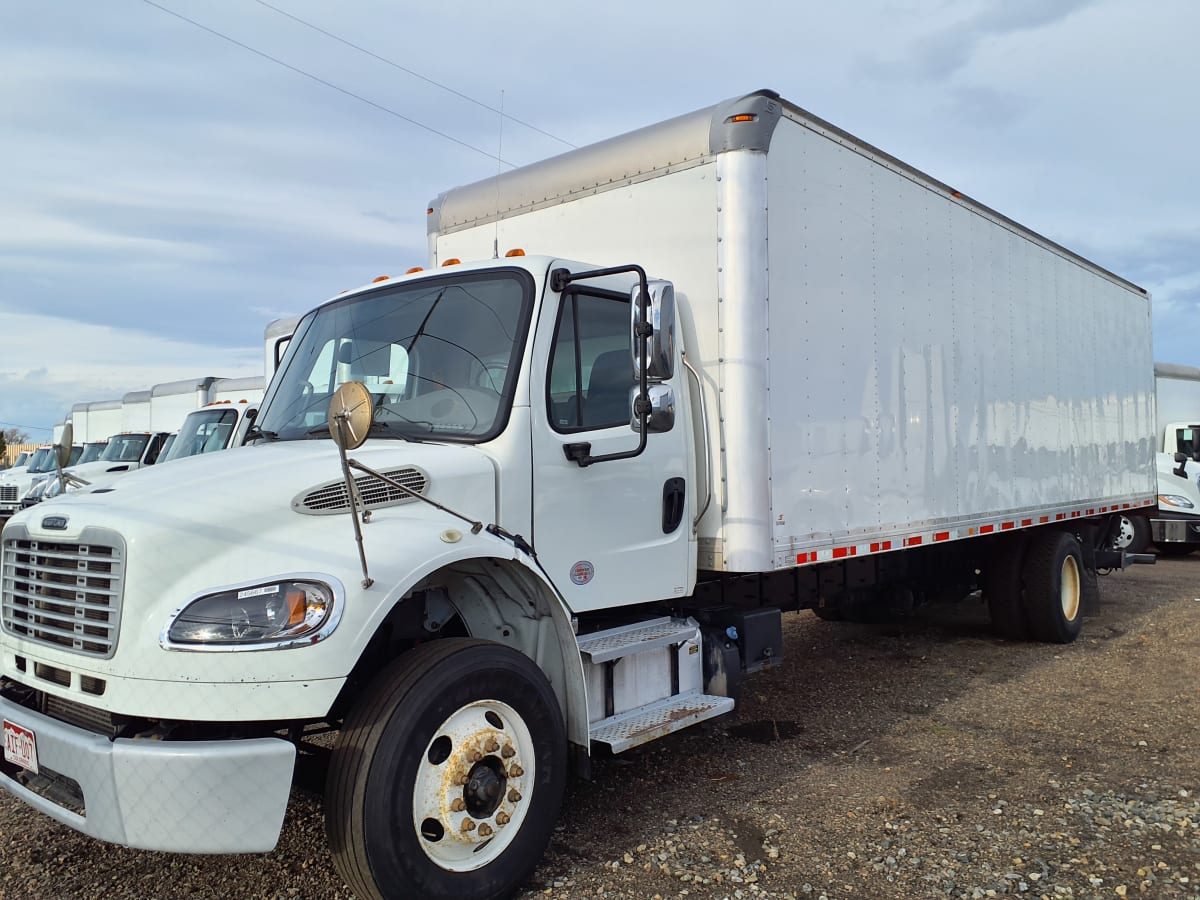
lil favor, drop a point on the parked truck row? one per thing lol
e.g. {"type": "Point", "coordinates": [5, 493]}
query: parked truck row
{"type": "Point", "coordinates": [550, 496]}
{"type": "Point", "coordinates": [166, 422]}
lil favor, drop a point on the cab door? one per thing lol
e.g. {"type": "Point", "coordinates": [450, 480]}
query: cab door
{"type": "Point", "coordinates": [615, 532]}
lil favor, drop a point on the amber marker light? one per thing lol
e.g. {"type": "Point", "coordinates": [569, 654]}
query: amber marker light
{"type": "Point", "coordinates": [452, 261]}
{"type": "Point", "coordinates": [744, 117]}
{"type": "Point", "coordinates": [414, 270]}
{"type": "Point", "coordinates": [516, 251]}
{"type": "Point", "coordinates": [379, 278]}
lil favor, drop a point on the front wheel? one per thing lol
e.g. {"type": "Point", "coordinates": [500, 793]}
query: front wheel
{"type": "Point", "coordinates": [1133, 534]}
{"type": "Point", "coordinates": [448, 775]}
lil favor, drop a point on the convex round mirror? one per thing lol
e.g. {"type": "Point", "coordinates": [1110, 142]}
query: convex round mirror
{"type": "Point", "coordinates": [62, 450]}
{"type": "Point", "coordinates": [350, 413]}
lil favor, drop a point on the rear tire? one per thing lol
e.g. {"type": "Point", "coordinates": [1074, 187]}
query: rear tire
{"type": "Point", "coordinates": [1002, 589]}
{"type": "Point", "coordinates": [1053, 574]}
{"type": "Point", "coordinates": [448, 775]}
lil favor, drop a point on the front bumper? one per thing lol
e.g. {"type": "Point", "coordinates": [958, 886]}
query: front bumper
{"type": "Point", "coordinates": [1175, 528]}
{"type": "Point", "coordinates": [183, 797]}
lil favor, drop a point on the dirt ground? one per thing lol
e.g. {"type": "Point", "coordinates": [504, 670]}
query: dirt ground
{"type": "Point", "coordinates": [919, 759]}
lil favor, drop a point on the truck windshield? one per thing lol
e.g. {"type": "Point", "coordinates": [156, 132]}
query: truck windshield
{"type": "Point", "coordinates": [91, 452]}
{"type": "Point", "coordinates": [125, 448]}
{"type": "Point", "coordinates": [41, 461]}
{"type": "Point", "coordinates": [438, 356]}
{"type": "Point", "coordinates": [203, 431]}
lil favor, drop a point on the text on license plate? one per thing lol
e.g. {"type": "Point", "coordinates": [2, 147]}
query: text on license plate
{"type": "Point", "coordinates": [20, 746]}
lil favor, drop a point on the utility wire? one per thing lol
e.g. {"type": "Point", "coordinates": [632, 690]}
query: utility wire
{"type": "Point", "coordinates": [328, 84]}
{"type": "Point", "coordinates": [24, 427]}
{"type": "Point", "coordinates": [415, 74]}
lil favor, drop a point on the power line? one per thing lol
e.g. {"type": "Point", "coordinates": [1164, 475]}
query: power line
{"type": "Point", "coordinates": [328, 84]}
{"type": "Point", "coordinates": [415, 74]}
{"type": "Point", "coordinates": [24, 427]}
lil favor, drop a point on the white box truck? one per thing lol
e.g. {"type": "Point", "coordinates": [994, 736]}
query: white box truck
{"type": "Point", "coordinates": [567, 501]}
{"type": "Point", "coordinates": [1174, 526]}
{"type": "Point", "coordinates": [222, 422]}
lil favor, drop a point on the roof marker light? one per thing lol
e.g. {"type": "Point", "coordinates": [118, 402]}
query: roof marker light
{"type": "Point", "coordinates": [452, 261]}
{"type": "Point", "coordinates": [743, 117]}
{"type": "Point", "coordinates": [414, 270]}
{"type": "Point", "coordinates": [516, 251]}
{"type": "Point", "coordinates": [379, 278]}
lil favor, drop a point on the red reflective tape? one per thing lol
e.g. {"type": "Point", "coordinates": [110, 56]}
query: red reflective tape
{"type": "Point", "coordinates": [1124, 506]}
{"type": "Point", "coordinates": [1007, 526]}
{"type": "Point", "coordinates": [840, 552]}
{"type": "Point", "coordinates": [1075, 514]}
{"type": "Point", "coordinates": [1043, 520]}
{"type": "Point", "coordinates": [887, 545]}
{"type": "Point", "coordinates": [1025, 523]}
{"type": "Point", "coordinates": [986, 529]}
{"type": "Point", "coordinates": [1091, 512]}
{"type": "Point", "coordinates": [1058, 517]}
{"type": "Point", "coordinates": [941, 536]}
{"type": "Point", "coordinates": [912, 541]}
{"type": "Point", "coordinates": [875, 548]}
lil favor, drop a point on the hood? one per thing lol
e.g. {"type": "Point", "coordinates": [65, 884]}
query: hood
{"type": "Point", "coordinates": [262, 481]}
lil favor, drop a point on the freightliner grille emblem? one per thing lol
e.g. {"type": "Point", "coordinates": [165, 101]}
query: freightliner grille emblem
{"type": "Point", "coordinates": [55, 523]}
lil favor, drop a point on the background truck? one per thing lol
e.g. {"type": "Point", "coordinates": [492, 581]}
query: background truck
{"type": "Point", "coordinates": [1174, 526]}
{"type": "Point", "coordinates": [566, 502]}
{"type": "Point", "coordinates": [222, 422]}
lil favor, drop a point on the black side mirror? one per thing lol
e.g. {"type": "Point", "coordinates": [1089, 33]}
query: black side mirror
{"type": "Point", "coordinates": [1182, 459]}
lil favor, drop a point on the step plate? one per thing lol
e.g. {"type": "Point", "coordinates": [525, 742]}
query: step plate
{"type": "Point", "coordinates": [654, 720]}
{"type": "Point", "coordinates": [633, 639]}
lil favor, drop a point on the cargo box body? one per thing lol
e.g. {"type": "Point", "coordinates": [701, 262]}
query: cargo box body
{"type": "Point", "coordinates": [885, 362]}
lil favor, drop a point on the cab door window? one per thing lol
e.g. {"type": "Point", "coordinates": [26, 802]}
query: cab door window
{"type": "Point", "coordinates": [591, 367]}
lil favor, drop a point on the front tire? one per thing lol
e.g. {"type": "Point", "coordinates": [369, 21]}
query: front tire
{"type": "Point", "coordinates": [448, 775]}
{"type": "Point", "coordinates": [1133, 534]}
{"type": "Point", "coordinates": [1053, 574]}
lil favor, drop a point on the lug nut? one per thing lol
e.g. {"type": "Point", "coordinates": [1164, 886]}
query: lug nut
{"type": "Point", "coordinates": [476, 756]}
{"type": "Point", "coordinates": [492, 745]}
{"type": "Point", "coordinates": [503, 818]}
{"type": "Point", "coordinates": [485, 830]}
{"type": "Point", "coordinates": [516, 771]}
{"type": "Point", "coordinates": [463, 779]}
{"type": "Point", "coordinates": [514, 796]}
{"type": "Point", "coordinates": [508, 751]}
{"type": "Point", "coordinates": [458, 805]}
{"type": "Point", "coordinates": [468, 825]}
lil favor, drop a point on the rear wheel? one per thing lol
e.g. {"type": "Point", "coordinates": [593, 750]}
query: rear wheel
{"type": "Point", "coordinates": [448, 775]}
{"type": "Point", "coordinates": [1002, 589]}
{"type": "Point", "coordinates": [1053, 575]}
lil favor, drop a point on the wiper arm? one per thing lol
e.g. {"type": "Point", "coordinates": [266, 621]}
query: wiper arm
{"type": "Point", "coordinates": [255, 432]}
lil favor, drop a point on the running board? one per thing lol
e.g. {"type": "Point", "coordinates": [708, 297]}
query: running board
{"type": "Point", "coordinates": [654, 720]}
{"type": "Point", "coordinates": [630, 640]}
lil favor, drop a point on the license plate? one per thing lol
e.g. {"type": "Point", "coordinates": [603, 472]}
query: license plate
{"type": "Point", "coordinates": [20, 746]}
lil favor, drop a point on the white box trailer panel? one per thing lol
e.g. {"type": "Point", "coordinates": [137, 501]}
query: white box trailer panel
{"type": "Point", "coordinates": [104, 419]}
{"type": "Point", "coordinates": [1176, 400]}
{"type": "Point", "coordinates": [171, 401]}
{"type": "Point", "coordinates": [236, 390]}
{"type": "Point", "coordinates": [885, 361]}
{"type": "Point", "coordinates": [135, 411]}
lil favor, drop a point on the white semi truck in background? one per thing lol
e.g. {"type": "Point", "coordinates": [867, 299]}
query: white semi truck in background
{"type": "Point", "coordinates": [553, 494]}
{"type": "Point", "coordinates": [1174, 526]}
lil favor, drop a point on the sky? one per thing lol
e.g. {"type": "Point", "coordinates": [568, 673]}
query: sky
{"type": "Point", "coordinates": [169, 187]}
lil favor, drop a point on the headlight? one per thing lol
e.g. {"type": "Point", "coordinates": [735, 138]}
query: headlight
{"type": "Point", "coordinates": [1175, 500]}
{"type": "Point", "coordinates": [53, 488]}
{"type": "Point", "coordinates": [280, 612]}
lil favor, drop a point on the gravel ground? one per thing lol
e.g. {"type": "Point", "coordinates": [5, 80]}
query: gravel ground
{"type": "Point", "coordinates": [920, 759]}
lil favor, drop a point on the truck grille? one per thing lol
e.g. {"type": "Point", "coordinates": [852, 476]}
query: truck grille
{"type": "Point", "coordinates": [331, 497]}
{"type": "Point", "coordinates": [62, 594]}
{"type": "Point", "coordinates": [8, 493]}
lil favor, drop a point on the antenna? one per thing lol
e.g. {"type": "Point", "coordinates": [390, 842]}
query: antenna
{"type": "Point", "coordinates": [499, 163]}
